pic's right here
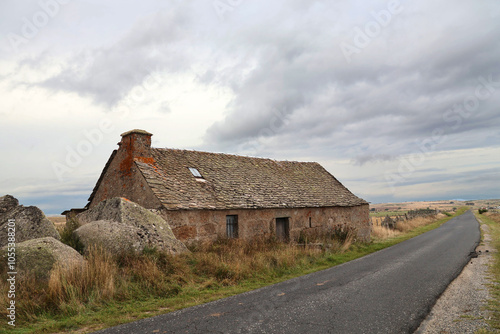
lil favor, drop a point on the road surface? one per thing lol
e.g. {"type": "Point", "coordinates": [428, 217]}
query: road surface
{"type": "Point", "coordinates": [390, 291]}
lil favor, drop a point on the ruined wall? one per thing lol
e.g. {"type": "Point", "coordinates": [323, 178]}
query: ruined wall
{"type": "Point", "coordinates": [193, 225]}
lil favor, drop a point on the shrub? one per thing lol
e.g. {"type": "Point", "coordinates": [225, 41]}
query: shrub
{"type": "Point", "coordinates": [343, 232]}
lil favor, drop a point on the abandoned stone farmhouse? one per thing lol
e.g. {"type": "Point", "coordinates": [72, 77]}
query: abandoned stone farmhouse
{"type": "Point", "coordinates": [205, 195]}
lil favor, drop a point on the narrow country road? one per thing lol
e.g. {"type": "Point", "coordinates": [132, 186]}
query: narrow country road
{"type": "Point", "coordinates": [390, 291]}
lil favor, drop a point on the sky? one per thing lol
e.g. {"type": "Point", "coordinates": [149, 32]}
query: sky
{"type": "Point", "coordinates": [399, 100]}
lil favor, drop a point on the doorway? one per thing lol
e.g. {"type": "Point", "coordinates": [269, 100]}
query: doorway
{"type": "Point", "coordinates": [283, 229]}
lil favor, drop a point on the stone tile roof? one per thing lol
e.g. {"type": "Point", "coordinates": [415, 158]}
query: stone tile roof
{"type": "Point", "coordinates": [237, 182]}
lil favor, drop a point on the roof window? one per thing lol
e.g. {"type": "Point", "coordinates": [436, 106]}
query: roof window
{"type": "Point", "coordinates": [195, 172]}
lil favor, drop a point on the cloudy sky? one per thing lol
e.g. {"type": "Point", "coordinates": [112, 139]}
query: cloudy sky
{"type": "Point", "coordinates": [399, 100]}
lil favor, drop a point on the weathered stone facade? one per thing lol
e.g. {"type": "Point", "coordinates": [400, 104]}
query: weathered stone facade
{"type": "Point", "coordinates": [121, 176]}
{"type": "Point", "coordinates": [196, 191]}
{"type": "Point", "coordinates": [190, 225]}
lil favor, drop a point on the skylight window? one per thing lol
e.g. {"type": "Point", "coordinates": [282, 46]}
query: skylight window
{"type": "Point", "coordinates": [195, 172]}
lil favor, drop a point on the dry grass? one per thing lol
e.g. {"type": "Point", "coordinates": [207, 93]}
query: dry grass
{"type": "Point", "coordinates": [70, 287]}
{"type": "Point", "coordinates": [231, 260]}
{"type": "Point", "coordinates": [69, 290]}
{"type": "Point", "coordinates": [381, 232]}
{"type": "Point", "coordinates": [492, 219]}
{"type": "Point", "coordinates": [495, 216]}
{"type": "Point", "coordinates": [57, 220]}
{"type": "Point", "coordinates": [103, 278]}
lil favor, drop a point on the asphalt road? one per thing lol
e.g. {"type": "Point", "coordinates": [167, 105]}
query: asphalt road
{"type": "Point", "coordinates": [390, 291]}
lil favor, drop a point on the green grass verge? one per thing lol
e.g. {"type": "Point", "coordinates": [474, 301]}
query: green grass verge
{"type": "Point", "coordinates": [494, 302]}
{"type": "Point", "coordinates": [113, 313]}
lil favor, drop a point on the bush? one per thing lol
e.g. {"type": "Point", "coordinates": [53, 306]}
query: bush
{"type": "Point", "coordinates": [481, 211]}
{"type": "Point", "coordinates": [343, 232]}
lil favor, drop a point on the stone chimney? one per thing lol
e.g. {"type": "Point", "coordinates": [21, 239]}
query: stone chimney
{"type": "Point", "coordinates": [137, 143]}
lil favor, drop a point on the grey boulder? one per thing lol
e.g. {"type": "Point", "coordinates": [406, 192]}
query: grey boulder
{"type": "Point", "coordinates": [30, 222]}
{"type": "Point", "coordinates": [39, 256]}
{"type": "Point", "coordinates": [119, 226]}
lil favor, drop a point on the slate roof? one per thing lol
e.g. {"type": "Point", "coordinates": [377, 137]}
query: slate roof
{"type": "Point", "coordinates": [237, 182]}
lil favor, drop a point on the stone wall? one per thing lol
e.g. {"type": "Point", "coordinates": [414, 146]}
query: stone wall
{"type": "Point", "coordinates": [131, 186]}
{"type": "Point", "coordinates": [195, 225]}
{"type": "Point", "coordinates": [122, 177]}
{"type": "Point", "coordinates": [391, 222]}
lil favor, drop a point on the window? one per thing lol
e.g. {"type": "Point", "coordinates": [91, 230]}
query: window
{"type": "Point", "coordinates": [310, 222]}
{"type": "Point", "coordinates": [232, 226]}
{"type": "Point", "coordinates": [195, 172]}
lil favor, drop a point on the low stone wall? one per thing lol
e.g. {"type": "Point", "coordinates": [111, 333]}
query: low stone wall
{"type": "Point", "coordinates": [391, 222]}
{"type": "Point", "coordinates": [195, 225]}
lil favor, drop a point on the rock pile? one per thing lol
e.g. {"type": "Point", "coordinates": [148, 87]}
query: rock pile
{"type": "Point", "coordinates": [37, 246]}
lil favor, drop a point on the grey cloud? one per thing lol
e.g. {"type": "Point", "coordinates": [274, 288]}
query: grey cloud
{"type": "Point", "coordinates": [108, 73]}
{"type": "Point", "coordinates": [291, 83]}
{"type": "Point", "coordinates": [380, 103]}
{"type": "Point", "coordinates": [479, 177]}
{"type": "Point", "coordinates": [363, 159]}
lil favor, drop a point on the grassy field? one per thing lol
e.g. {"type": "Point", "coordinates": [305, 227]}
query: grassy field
{"type": "Point", "coordinates": [109, 291]}
{"type": "Point", "coordinates": [387, 213]}
{"type": "Point", "coordinates": [444, 205]}
{"type": "Point", "coordinates": [493, 221]}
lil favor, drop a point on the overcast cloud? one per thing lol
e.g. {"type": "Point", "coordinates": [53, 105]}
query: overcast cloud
{"type": "Point", "coordinates": [399, 100]}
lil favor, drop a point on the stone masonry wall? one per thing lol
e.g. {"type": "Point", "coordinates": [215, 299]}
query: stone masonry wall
{"type": "Point", "coordinates": [131, 186]}
{"type": "Point", "coordinates": [123, 178]}
{"type": "Point", "coordinates": [195, 225]}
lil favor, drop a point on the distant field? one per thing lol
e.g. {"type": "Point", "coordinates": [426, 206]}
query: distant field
{"type": "Point", "coordinates": [445, 205]}
{"type": "Point", "coordinates": [57, 220]}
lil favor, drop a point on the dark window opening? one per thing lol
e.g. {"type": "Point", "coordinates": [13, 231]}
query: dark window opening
{"type": "Point", "coordinates": [283, 229]}
{"type": "Point", "coordinates": [232, 226]}
{"type": "Point", "coordinates": [310, 222]}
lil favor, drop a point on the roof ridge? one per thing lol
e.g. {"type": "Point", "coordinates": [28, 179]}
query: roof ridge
{"type": "Point", "coordinates": [231, 155]}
